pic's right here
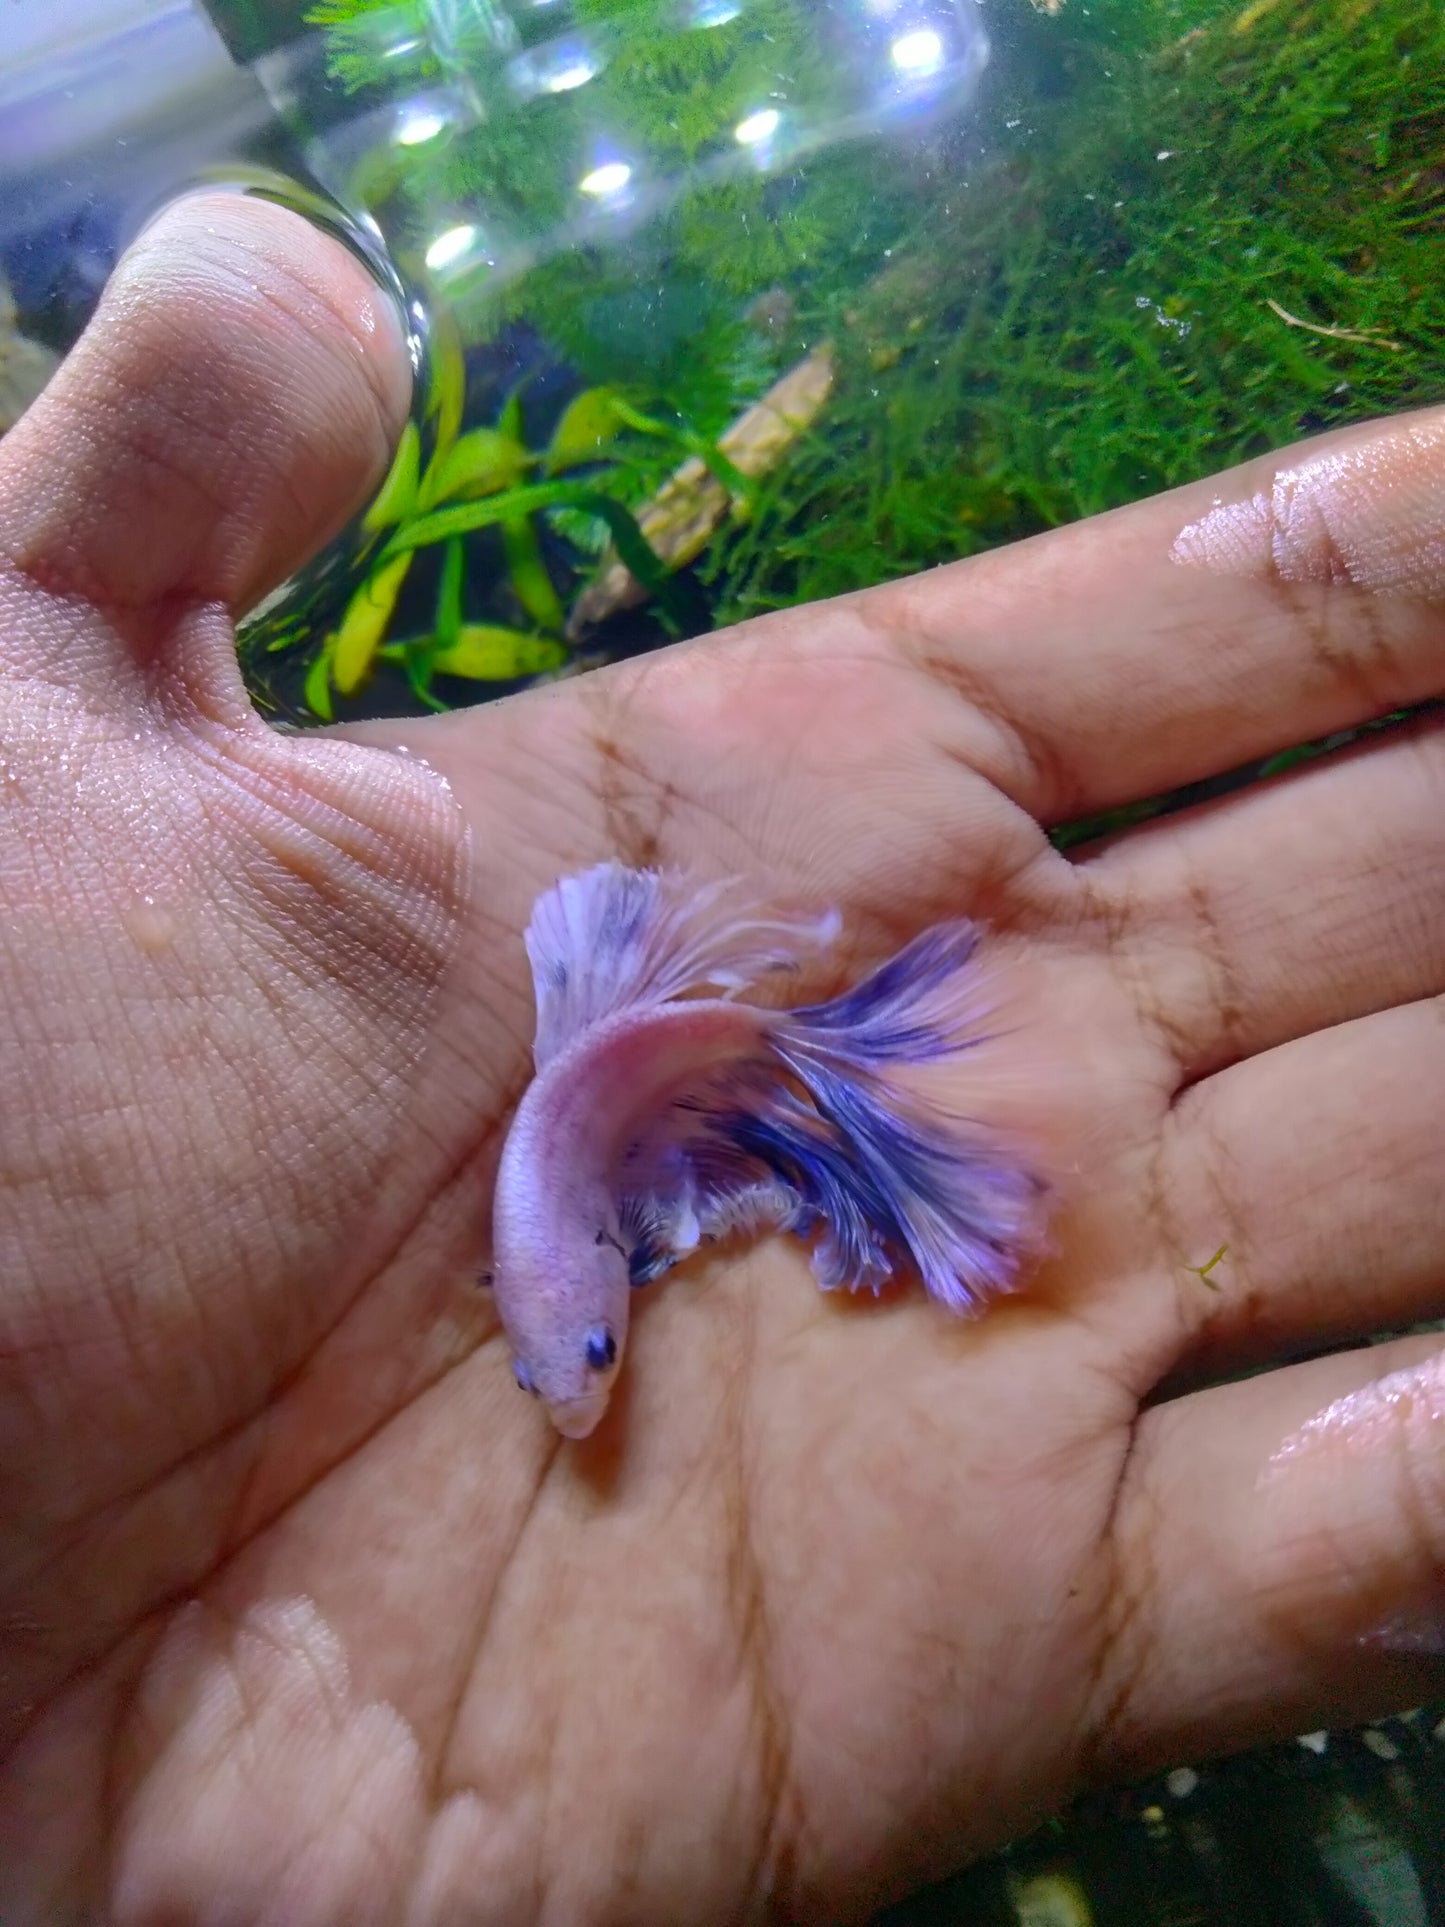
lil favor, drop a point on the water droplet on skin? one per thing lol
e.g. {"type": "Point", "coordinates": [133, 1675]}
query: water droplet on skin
{"type": "Point", "coordinates": [152, 928]}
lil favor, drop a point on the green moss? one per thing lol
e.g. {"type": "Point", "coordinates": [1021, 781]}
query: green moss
{"type": "Point", "coordinates": [1166, 237]}
{"type": "Point", "coordinates": [1086, 318]}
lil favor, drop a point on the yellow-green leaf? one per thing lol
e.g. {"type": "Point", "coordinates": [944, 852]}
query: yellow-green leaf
{"type": "Point", "coordinates": [481, 462]}
{"type": "Point", "coordinates": [396, 499]}
{"type": "Point", "coordinates": [318, 682]}
{"type": "Point", "coordinates": [365, 623]}
{"type": "Point", "coordinates": [447, 387]}
{"type": "Point", "coordinates": [587, 429]}
{"type": "Point", "coordinates": [486, 652]}
{"type": "Point", "coordinates": [528, 572]}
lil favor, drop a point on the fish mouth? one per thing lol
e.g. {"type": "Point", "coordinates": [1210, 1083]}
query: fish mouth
{"type": "Point", "coordinates": [577, 1418]}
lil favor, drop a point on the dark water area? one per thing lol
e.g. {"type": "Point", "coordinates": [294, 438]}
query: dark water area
{"type": "Point", "coordinates": [1343, 1830]}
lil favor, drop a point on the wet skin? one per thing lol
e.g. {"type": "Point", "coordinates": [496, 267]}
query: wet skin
{"type": "Point", "coordinates": [306, 1610]}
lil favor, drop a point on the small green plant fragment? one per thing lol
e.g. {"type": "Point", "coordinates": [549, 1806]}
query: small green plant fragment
{"type": "Point", "coordinates": [1201, 1272]}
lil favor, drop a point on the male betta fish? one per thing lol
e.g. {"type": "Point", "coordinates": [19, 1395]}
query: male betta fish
{"type": "Point", "coordinates": [660, 1119]}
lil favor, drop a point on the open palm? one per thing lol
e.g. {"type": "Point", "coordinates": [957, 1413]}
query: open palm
{"type": "Point", "coordinates": [307, 1614]}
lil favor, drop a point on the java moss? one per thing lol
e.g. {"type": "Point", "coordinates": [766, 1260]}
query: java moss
{"type": "Point", "coordinates": [1179, 256]}
{"type": "Point", "coordinates": [1164, 237]}
{"type": "Point", "coordinates": [663, 90]}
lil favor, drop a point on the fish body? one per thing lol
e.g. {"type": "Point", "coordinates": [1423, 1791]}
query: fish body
{"type": "Point", "coordinates": [660, 1118]}
{"type": "Point", "coordinates": [562, 1257]}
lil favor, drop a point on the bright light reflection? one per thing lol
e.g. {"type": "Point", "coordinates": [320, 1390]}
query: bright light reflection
{"type": "Point", "coordinates": [715, 13]}
{"type": "Point", "coordinates": [422, 124]}
{"type": "Point", "coordinates": [610, 178]}
{"type": "Point", "coordinates": [919, 52]}
{"type": "Point", "coordinates": [760, 126]}
{"type": "Point", "coordinates": [566, 78]}
{"type": "Point", "coordinates": [450, 247]}
{"type": "Point", "coordinates": [402, 47]}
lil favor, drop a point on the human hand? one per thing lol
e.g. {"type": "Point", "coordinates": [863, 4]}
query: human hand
{"type": "Point", "coordinates": [308, 1615]}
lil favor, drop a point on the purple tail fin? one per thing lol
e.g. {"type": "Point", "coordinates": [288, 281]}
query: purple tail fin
{"type": "Point", "coordinates": [887, 1173]}
{"type": "Point", "coordinates": [820, 1134]}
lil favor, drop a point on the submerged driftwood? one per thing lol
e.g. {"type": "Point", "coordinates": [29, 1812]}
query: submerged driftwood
{"type": "Point", "coordinates": [685, 511]}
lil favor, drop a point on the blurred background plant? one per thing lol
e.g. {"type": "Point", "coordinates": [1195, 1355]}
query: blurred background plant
{"type": "Point", "coordinates": [1167, 235]}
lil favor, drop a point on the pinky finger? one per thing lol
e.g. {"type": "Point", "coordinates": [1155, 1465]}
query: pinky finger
{"type": "Point", "coordinates": [1280, 1559]}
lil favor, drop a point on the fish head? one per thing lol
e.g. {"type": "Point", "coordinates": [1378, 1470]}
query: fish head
{"type": "Point", "coordinates": [568, 1330]}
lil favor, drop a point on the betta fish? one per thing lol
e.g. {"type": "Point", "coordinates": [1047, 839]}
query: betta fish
{"type": "Point", "coordinates": [661, 1118]}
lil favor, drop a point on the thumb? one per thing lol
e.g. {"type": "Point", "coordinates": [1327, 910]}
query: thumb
{"type": "Point", "coordinates": [233, 400]}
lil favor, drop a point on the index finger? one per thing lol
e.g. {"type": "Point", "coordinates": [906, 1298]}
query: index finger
{"type": "Point", "coordinates": [1179, 638]}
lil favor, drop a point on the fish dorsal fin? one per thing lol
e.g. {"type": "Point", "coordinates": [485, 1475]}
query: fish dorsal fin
{"type": "Point", "coordinates": [613, 938]}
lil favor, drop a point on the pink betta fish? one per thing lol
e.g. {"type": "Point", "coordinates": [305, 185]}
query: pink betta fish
{"type": "Point", "coordinates": [660, 1119]}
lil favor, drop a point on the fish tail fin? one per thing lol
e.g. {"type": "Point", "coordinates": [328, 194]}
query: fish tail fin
{"type": "Point", "coordinates": [886, 1169]}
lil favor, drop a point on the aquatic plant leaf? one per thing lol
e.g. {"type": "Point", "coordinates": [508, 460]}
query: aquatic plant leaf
{"type": "Point", "coordinates": [528, 573]}
{"type": "Point", "coordinates": [487, 652]}
{"type": "Point", "coordinates": [396, 498]}
{"type": "Point", "coordinates": [708, 453]}
{"type": "Point", "coordinates": [478, 463]}
{"type": "Point", "coordinates": [449, 593]}
{"type": "Point", "coordinates": [447, 387]}
{"type": "Point", "coordinates": [365, 623]}
{"type": "Point", "coordinates": [622, 524]}
{"type": "Point", "coordinates": [418, 659]}
{"type": "Point", "coordinates": [509, 422]}
{"type": "Point", "coordinates": [317, 688]}
{"type": "Point", "coordinates": [587, 429]}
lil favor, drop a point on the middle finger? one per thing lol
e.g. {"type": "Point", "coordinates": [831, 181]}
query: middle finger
{"type": "Point", "coordinates": [1283, 909]}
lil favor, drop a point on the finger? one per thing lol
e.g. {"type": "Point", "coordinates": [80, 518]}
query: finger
{"type": "Point", "coordinates": [1316, 1170]}
{"type": "Point", "coordinates": [1179, 638]}
{"type": "Point", "coordinates": [814, 775]}
{"type": "Point", "coordinates": [1287, 907]}
{"type": "Point", "coordinates": [230, 404]}
{"type": "Point", "coordinates": [1279, 1558]}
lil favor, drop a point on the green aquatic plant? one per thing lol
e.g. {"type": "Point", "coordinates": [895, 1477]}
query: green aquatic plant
{"type": "Point", "coordinates": [482, 478]}
{"type": "Point", "coordinates": [1184, 234]}
{"type": "Point", "coordinates": [1185, 253]}
{"type": "Point", "coordinates": [668, 94]}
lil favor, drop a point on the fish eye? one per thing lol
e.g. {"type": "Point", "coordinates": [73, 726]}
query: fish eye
{"type": "Point", "coordinates": [523, 1377]}
{"type": "Point", "coordinates": [601, 1347]}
